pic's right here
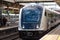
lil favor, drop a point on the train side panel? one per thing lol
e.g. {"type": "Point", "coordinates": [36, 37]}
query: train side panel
{"type": "Point", "coordinates": [44, 21]}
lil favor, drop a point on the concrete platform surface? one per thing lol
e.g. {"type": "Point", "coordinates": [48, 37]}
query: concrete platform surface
{"type": "Point", "coordinates": [9, 27]}
{"type": "Point", "coordinates": [52, 35]}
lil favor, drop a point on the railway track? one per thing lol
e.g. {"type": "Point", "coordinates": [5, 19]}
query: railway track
{"type": "Point", "coordinates": [9, 34]}
{"type": "Point", "coordinates": [12, 36]}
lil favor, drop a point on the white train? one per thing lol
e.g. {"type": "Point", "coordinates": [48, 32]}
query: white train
{"type": "Point", "coordinates": [34, 20]}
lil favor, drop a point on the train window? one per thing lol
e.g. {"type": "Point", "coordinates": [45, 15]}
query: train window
{"type": "Point", "coordinates": [51, 21]}
{"type": "Point", "coordinates": [31, 17]}
{"type": "Point", "coordinates": [45, 13]}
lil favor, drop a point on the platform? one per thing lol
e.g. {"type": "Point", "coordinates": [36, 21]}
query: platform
{"type": "Point", "coordinates": [52, 35]}
{"type": "Point", "coordinates": [9, 27]}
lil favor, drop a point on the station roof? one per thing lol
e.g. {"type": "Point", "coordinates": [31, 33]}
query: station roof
{"type": "Point", "coordinates": [27, 0]}
{"type": "Point", "coordinates": [57, 1]}
{"type": "Point", "coordinates": [19, 1]}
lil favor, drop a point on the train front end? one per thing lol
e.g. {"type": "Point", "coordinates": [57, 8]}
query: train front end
{"type": "Point", "coordinates": [30, 18]}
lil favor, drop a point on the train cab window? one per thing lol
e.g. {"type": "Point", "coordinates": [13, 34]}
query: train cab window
{"type": "Point", "coordinates": [45, 13]}
{"type": "Point", "coordinates": [31, 17]}
{"type": "Point", "coordinates": [51, 21]}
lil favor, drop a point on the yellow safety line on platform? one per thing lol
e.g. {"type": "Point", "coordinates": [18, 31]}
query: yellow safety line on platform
{"type": "Point", "coordinates": [58, 38]}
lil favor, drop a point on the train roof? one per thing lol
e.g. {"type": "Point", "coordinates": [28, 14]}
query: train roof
{"type": "Point", "coordinates": [52, 11]}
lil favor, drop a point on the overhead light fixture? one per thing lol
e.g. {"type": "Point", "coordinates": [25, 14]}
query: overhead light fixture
{"type": "Point", "coordinates": [10, 7]}
{"type": "Point", "coordinates": [10, 1]}
{"type": "Point", "coordinates": [14, 8]}
{"type": "Point", "coordinates": [4, 6]}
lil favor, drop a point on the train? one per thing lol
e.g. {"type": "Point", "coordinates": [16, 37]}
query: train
{"type": "Point", "coordinates": [34, 20]}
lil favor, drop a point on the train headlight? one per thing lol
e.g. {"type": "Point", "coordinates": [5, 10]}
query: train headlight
{"type": "Point", "coordinates": [23, 26]}
{"type": "Point", "coordinates": [37, 26]}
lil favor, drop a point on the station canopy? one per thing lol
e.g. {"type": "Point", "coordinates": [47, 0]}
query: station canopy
{"type": "Point", "coordinates": [57, 1]}
{"type": "Point", "coordinates": [27, 0]}
{"type": "Point", "coordinates": [32, 0]}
